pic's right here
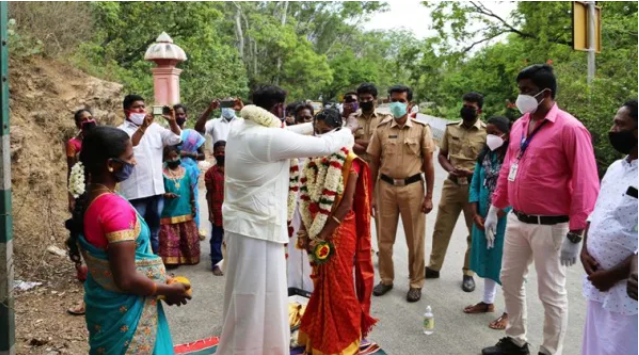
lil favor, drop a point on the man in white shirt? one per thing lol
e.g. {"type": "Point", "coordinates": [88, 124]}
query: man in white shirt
{"type": "Point", "coordinates": [145, 187]}
{"type": "Point", "coordinates": [218, 128]}
{"type": "Point", "coordinates": [610, 245]}
{"type": "Point", "coordinates": [258, 153]}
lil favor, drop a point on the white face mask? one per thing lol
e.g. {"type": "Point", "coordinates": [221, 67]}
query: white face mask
{"type": "Point", "coordinates": [493, 142]}
{"type": "Point", "coordinates": [137, 118]}
{"type": "Point", "coordinates": [528, 104]}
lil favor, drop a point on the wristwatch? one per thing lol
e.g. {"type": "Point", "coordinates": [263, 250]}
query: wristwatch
{"type": "Point", "coordinates": [574, 237]}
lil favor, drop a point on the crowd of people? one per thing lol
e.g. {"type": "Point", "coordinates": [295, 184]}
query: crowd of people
{"type": "Point", "coordinates": [295, 194]}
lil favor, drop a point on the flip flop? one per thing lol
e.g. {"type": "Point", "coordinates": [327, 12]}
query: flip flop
{"type": "Point", "coordinates": [499, 323]}
{"type": "Point", "coordinates": [77, 310]}
{"type": "Point", "coordinates": [480, 307]}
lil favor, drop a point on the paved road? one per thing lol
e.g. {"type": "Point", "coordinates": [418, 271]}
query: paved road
{"type": "Point", "coordinates": [399, 329]}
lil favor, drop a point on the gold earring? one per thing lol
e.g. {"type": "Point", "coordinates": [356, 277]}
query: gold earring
{"type": "Point", "coordinates": [110, 169]}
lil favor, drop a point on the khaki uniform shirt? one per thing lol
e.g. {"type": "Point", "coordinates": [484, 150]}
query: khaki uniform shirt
{"type": "Point", "coordinates": [464, 144]}
{"type": "Point", "coordinates": [401, 149]}
{"type": "Point", "coordinates": [366, 126]}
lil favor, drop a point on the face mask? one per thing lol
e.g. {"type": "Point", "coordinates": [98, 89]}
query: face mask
{"type": "Point", "coordinates": [622, 141]}
{"type": "Point", "coordinates": [180, 121]}
{"type": "Point", "coordinates": [468, 113]}
{"type": "Point", "coordinates": [137, 118]}
{"type": "Point", "coordinates": [398, 109]}
{"type": "Point", "coordinates": [350, 107]}
{"type": "Point", "coordinates": [173, 163]}
{"type": "Point", "coordinates": [125, 172]}
{"type": "Point", "coordinates": [220, 160]}
{"type": "Point", "coordinates": [87, 125]}
{"type": "Point", "coordinates": [528, 104]}
{"type": "Point", "coordinates": [367, 105]}
{"type": "Point", "coordinates": [493, 142]}
{"type": "Point", "coordinates": [228, 113]}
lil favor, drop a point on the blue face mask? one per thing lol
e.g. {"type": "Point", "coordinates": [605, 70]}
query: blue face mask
{"type": "Point", "coordinates": [398, 109]}
{"type": "Point", "coordinates": [125, 172]}
{"type": "Point", "coordinates": [228, 113]}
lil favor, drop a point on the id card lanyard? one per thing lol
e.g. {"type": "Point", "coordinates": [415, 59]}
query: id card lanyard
{"type": "Point", "coordinates": [525, 143]}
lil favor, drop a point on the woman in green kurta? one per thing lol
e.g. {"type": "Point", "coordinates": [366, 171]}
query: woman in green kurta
{"type": "Point", "coordinates": [179, 239]}
{"type": "Point", "coordinates": [485, 258]}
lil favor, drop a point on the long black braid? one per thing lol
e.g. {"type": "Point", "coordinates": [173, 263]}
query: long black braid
{"type": "Point", "coordinates": [98, 146]}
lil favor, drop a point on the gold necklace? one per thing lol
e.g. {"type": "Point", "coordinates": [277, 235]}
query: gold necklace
{"type": "Point", "coordinates": [102, 187]}
{"type": "Point", "coordinates": [174, 178]}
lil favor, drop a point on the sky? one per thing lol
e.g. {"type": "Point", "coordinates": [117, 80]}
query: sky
{"type": "Point", "coordinates": [415, 17]}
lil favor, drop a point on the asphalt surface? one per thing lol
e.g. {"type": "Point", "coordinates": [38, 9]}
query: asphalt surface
{"type": "Point", "coordinates": [399, 329]}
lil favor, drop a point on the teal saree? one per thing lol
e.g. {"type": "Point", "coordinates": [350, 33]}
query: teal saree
{"type": "Point", "coordinates": [121, 323]}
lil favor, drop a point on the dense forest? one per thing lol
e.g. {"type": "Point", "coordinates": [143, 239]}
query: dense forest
{"type": "Point", "coordinates": [320, 49]}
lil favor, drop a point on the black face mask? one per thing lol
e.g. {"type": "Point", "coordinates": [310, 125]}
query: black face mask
{"type": "Point", "coordinates": [172, 164]}
{"type": "Point", "coordinates": [180, 121]}
{"type": "Point", "coordinates": [468, 114]}
{"type": "Point", "coordinates": [220, 160]}
{"type": "Point", "coordinates": [367, 105]}
{"type": "Point", "coordinates": [622, 141]}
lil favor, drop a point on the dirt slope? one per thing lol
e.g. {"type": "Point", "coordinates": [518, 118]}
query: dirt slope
{"type": "Point", "coordinates": [43, 96]}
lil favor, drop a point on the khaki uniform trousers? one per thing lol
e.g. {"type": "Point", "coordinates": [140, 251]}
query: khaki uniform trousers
{"type": "Point", "coordinates": [405, 201]}
{"type": "Point", "coordinates": [524, 244]}
{"type": "Point", "coordinates": [454, 200]}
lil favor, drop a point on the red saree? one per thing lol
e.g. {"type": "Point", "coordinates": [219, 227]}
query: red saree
{"type": "Point", "coordinates": [337, 316]}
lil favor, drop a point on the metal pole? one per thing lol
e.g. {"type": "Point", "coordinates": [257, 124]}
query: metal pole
{"type": "Point", "coordinates": [591, 41]}
{"type": "Point", "coordinates": [7, 318]}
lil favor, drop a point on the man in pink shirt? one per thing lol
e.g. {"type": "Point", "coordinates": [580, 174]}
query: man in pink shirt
{"type": "Point", "coordinates": [549, 177]}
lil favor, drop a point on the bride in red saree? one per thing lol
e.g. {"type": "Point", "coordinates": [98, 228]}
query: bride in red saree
{"type": "Point", "coordinates": [337, 317]}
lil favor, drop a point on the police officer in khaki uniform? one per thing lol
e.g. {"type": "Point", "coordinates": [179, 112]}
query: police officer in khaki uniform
{"type": "Point", "coordinates": [401, 150]}
{"type": "Point", "coordinates": [363, 124]}
{"type": "Point", "coordinates": [462, 143]}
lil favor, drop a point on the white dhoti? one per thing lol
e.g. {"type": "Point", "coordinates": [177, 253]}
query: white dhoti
{"type": "Point", "coordinates": [255, 298]}
{"type": "Point", "coordinates": [609, 333]}
{"type": "Point", "coordinates": [298, 266]}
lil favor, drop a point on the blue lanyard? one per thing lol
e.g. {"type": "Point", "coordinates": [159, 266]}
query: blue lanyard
{"type": "Point", "coordinates": [525, 141]}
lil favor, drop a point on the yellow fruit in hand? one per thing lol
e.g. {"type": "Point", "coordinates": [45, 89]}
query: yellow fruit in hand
{"type": "Point", "coordinates": [184, 280]}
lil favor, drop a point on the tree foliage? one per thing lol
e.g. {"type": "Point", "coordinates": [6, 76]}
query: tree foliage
{"type": "Point", "coordinates": [535, 32]}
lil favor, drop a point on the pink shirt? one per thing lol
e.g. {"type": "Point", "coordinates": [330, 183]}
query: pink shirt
{"type": "Point", "coordinates": [557, 175]}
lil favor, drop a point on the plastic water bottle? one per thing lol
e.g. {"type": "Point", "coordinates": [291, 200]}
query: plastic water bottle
{"type": "Point", "coordinates": [429, 321]}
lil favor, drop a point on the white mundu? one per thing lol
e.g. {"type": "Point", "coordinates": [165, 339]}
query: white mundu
{"type": "Point", "coordinates": [255, 319]}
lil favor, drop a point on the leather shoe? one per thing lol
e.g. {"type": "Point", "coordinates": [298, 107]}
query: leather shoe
{"type": "Point", "coordinates": [468, 285]}
{"type": "Point", "coordinates": [414, 294]}
{"type": "Point", "coordinates": [506, 346]}
{"type": "Point", "coordinates": [381, 289]}
{"type": "Point", "coordinates": [432, 274]}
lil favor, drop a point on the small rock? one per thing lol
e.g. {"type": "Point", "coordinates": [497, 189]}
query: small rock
{"type": "Point", "coordinates": [57, 251]}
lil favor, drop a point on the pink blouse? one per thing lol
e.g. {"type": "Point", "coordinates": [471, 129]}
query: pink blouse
{"type": "Point", "coordinates": [110, 219]}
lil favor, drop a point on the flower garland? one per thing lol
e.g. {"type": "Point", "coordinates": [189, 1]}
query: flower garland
{"type": "Point", "coordinates": [293, 190]}
{"type": "Point", "coordinates": [322, 181]}
{"type": "Point", "coordinates": [261, 117]}
{"type": "Point", "coordinates": [77, 184]}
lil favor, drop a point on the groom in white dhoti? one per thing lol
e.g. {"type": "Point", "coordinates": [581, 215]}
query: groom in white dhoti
{"type": "Point", "coordinates": [255, 223]}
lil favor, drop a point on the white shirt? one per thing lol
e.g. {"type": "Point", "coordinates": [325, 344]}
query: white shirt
{"type": "Point", "coordinates": [612, 236]}
{"type": "Point", "coordinates": [146, 179]}
{"type": "Point", "coordinates": [219, 128]}
{"type": "Point", "coordinates": [257, 173]}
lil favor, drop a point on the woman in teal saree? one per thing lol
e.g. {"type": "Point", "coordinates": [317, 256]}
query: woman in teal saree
{"type": "Point", "coordinates": [126, 280]}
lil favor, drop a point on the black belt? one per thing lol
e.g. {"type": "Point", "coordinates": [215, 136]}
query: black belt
{"type": "Point", "coordinates": [401, 182]}
{"type": "Point", "coordinates": [543, 220]}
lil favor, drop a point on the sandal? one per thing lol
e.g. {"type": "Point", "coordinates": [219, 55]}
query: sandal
{"type": "Point", "coordinates": [77, 310]}
{"type": "Point", "coordinates": [480, 307]}
{"type": "Point", "coordinates": [217, 271]}
{"type": "Point", "coordinates": [499, 323]}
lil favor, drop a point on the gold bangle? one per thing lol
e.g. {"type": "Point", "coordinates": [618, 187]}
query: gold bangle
{"type": "Point", "coordinates": [142, 130]}
{"type": "Point", "coordinates": [336, 220]}
{"type": "Point", "coordinates": [155, 289]}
